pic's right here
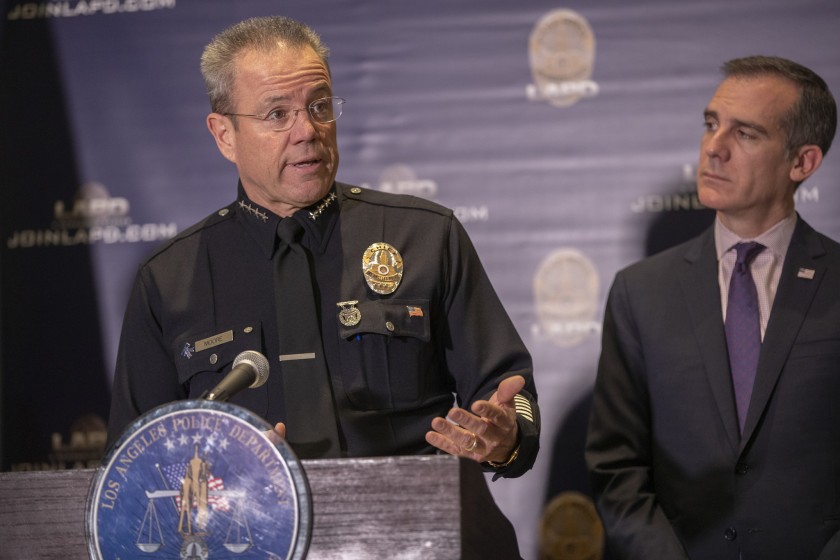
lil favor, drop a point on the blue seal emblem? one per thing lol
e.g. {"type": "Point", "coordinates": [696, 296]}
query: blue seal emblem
{"type": "Point", "coordinates": [196, 480]}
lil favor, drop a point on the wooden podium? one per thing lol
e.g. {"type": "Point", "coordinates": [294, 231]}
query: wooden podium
{"type": "Point", "coordinates": [419, 507]}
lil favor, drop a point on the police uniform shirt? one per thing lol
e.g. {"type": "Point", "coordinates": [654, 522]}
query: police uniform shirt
{"type": "Point", "coordinates": [207, 295]}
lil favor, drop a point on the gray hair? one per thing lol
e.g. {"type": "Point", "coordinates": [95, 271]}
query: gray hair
{"type": "Point", "coordinates": [813, 118]}
{"type": "Point", "coordinates": [218, 61]}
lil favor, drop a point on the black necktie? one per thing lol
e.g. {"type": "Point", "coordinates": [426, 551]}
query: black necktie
{"type": "Point", "coordinates": [311, 425]}
{"type": "Point", "coordinates": [742, 326]}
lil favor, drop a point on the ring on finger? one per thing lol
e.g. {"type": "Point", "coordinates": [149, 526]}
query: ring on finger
{"type": "Point", "coordinates": [473, 443]}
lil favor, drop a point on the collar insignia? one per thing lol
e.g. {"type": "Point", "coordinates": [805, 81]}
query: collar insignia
{"type": "Point", "coordinates": [253, 211]}
{"type": "Point", "coordinates": [327, 200]}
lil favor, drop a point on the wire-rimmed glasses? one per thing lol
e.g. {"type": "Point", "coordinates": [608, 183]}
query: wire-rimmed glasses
{"type": "Point", "coordinates": [278, 119]}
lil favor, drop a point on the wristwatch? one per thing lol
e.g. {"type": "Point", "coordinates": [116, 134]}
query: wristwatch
{"type": "Point", "coordinates": [507, 463]}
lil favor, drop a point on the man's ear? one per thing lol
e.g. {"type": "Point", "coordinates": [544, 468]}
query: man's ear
{"type": "Point", "coordinates": [806, 161]}
{"type": "Point", "coordinates": [221, 127]}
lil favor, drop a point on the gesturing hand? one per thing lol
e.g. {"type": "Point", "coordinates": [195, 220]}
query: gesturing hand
{"type": "Point", "coordinates": [488, 432]}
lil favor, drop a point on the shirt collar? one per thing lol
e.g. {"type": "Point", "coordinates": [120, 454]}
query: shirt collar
{"type": "Point", "coordinates": [318, 221]}
{"type": "Point", "coordinates": [776, 239]}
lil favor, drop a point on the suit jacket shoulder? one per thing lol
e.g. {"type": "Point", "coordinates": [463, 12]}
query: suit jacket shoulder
{"type": "Point", "coordinates": [813, 243]}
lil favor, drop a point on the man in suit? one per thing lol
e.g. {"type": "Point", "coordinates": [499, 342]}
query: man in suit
{"type": "Point", "coordinates": [705, 443]}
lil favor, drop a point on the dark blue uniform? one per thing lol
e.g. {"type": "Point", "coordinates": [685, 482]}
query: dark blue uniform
{"type": "Point", "coordinates": [441, 335]}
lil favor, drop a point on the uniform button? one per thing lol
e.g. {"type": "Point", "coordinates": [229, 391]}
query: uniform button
{"type": "Point", "coordinates": [213, 358]}
{"type": "Point", "coordinates": [223, 212]}
{"type": "Point", "coordinates": [742, 468]}
{"type": "Point", "coordinates": [355, 190]}
{"type": "Point", "coordinates": [730, 534]}
{"type": "Point", "coordinates": [390, 326]}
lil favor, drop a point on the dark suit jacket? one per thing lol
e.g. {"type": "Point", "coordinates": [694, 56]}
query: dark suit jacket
{"type": "Point", "coordinates": [672, 475]}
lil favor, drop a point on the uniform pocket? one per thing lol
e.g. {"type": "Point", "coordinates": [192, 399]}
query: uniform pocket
{"type": "Point", "coordinates": [384, 356]}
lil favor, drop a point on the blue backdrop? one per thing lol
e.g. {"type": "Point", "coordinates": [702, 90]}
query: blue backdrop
{"type": "Point", "coordinates": [564, 135]}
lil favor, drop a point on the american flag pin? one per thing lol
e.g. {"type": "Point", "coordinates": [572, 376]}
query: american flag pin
{"type": "Point", "coordinates": [414, 311]}
{"type": "Point", "coordinates": [806, 273]}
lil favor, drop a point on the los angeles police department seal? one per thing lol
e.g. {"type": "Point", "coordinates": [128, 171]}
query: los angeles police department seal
{"type": "Point", "coordinates": [562, 52]}
{"type": "Point", "coordinates": [570, 528]}
{"type": "Point", "coordinates": [382, 266]}
{"type": "Point", "coordinates": [566, 297]}
{"type": "Point", "coordinates": [199, 480]}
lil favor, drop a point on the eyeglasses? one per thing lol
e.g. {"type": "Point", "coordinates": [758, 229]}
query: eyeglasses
{"type": "Point", "coordinates": [323, 111]}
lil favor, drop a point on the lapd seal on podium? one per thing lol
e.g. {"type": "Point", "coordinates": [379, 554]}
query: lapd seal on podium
{"type": "Point", "coordinates": [197, 480]}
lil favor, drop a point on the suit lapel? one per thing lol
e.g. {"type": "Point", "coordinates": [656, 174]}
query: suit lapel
{"type": "Point", "coordinates": [702, 296]}
{"type": "Point", "coordinates": [801, 276]}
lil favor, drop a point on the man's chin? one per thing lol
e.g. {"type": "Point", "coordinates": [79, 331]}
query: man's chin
{"type": "Point", "coordinates": [708, 197]}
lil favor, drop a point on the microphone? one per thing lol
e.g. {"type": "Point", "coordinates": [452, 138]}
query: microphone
{"type": "Point", "coordinates": [250, 369]}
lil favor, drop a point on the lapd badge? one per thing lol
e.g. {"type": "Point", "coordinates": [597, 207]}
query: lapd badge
{"type": "Point", "coordinates": [199, 480]}
{"type": "Point", "coordinates": [566, 288]}
{"type": "Point", "coordinates": [570, 528]}
{"type": "Point", "coordinates": [383, 268]}
{"type": "Point", "coordinates": [562, 53]}
{"type": "Point", "coordinates": [349, 316]}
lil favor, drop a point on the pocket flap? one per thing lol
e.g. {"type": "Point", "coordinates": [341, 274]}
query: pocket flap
{"type": "Point", "coordinates": [392, 318]}
{"type": "Point", "coordinates": [214, 350]}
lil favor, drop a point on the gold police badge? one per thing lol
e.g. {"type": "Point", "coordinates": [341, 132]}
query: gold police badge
{"type": "Point", "coordinates": [382, 266]}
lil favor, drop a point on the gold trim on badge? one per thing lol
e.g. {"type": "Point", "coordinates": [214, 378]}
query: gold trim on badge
{"type": "Point", "coordinates": [349, 317]}
{"type": "Point", "coordinates": [382, 266]}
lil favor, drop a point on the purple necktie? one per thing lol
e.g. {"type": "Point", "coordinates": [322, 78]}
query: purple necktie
{"type": "Point", "coordinates": [743, 330]}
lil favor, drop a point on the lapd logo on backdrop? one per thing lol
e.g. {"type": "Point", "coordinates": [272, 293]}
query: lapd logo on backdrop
{"type": "Point", "coordinates": [199, 480]}
{"type": "Point", "coordinates": [92, 217]}
{"type": "Point", "coordinates": [566, 298]}
{"type": "Point", "coordinates": [571, 528]}
{"type": "Point", "coordinates": [562, 53]}
{"type": "Point", "coordinates": [684, 197]}
{"type": "Point", "coordinates": [402, 179]}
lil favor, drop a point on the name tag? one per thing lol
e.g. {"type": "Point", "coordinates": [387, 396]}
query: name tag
{"type": "Point", "coordinates": [214, 340]}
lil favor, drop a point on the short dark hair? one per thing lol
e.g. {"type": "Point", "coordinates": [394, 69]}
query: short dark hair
{"type": "Point", "coordinates": [218, 61]}
{"type": "Point", "coordinates": [813, 118]}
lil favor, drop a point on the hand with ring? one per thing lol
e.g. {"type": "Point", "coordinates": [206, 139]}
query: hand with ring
{"type": "Point", "coordinates": [486, 432]}
{"type": "Point", "coordinates": [472, 444]}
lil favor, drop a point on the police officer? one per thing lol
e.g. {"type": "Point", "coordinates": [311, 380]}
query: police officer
{"type": "Point", "coordinates": [402, 312]}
